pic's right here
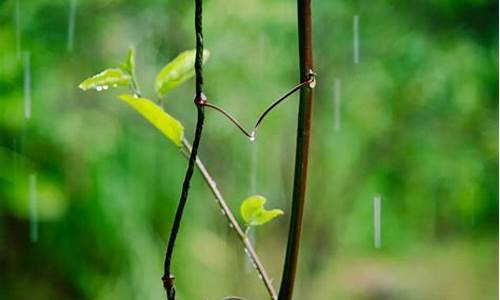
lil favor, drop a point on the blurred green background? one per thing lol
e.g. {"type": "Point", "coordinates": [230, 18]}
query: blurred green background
{"type": "Point", "coordinates": [419, 127]}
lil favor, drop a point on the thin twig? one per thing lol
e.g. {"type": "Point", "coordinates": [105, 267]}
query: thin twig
{"type": "Point", "coordinates": [251, 134]}
{"type": "Point", "coordinates": [233, 223]}
{"type": "Point", "coordinates": [231, 118]}
{"type": "Point", "coordinates": [302, 150]}
{"type": "Point", "coordinates": [168, 279]}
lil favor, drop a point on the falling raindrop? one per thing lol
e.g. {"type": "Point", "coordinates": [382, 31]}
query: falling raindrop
{"type": "Point", "coordinates": [253, 168]}
{"type": "Point", "coordinates": [377, 210]}
{"type": "Point", "coordinates": [337, 104]}
{"type": "Point", "coordinates": [16, 163]}
{"type": "Point", "coordinates": [17, 18]}
{"type": "Point", "coordinates": [71, 24]}
{"type": "Point", "coordinates": [33, 205]}
{"type": "Point", "coordinates": [27, 85]}
{"type": "Point", "coordinates": [355, 26]}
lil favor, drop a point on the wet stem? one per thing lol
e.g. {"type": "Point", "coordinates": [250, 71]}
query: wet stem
{"type": "Point", "coordinates": [302, 150]}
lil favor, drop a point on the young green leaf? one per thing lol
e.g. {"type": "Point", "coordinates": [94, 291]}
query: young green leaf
{"type": "Point", "coordinates": [129, 64]}
{"type": "Point", "coordinates": [253, 212]}
{"type": "Point", "coordinates": [177, 71]}
{"type": "Point", "coordinates": [155, 115]}
{"type": "Point", "coordinates": [105, 79]}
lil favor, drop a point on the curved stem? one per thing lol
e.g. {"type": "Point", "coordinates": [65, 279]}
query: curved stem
{"type": "Point", "coordinates": [231, 118]}
{"type": "Point", "coordinates": [309, 81]}
{"type": "Point", "coordinates": [233, 223]}
{"type": "Point", "coordinates": [168, 279]}
{"type": "Point", "coordinates": [302, 151]}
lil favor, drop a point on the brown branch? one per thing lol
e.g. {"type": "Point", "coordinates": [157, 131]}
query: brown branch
{"type": "Point", "coordinates": [302, 150]}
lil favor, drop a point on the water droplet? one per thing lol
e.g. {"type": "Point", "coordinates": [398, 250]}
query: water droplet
{"type": "Point", "coordinates": [98, 88]}
{"type": "Point", "coordinates": [252, 136]}
{"type": "Point", "coordinates": [105, 87]}
{"type": "Point", "coordinates": [312, 84]}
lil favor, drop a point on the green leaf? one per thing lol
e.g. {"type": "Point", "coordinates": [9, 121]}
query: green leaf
{"type": "Point", "coordinates": [105, 79]}
{"type": "Point", "coordinates": [253, 212]}
{"type": "Point", "coordinates": [155, 115]}
{"type": "Point", "coordinates": [177, 71]}
{"type": "Point", "coordinates": [129, 64]}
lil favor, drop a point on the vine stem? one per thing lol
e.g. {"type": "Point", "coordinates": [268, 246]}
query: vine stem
{"type": "Point", "coordinates": [311, 81]}
{"type": "Point", "coordinates": [302, 150]}
{"type": "Point", "coordinates": [233, 223]}
{"type": "Point", "coordinates": [168, 278]}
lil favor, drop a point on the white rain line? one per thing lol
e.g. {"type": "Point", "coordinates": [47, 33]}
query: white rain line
{"type": "Point", "coordinates": [253, 167]}
{"type": "Point", "coordinates": [355, 53]}
{"type": "Point", "coordinates": [16, 163]}
{"type": "Point", "coordinates": [337, 101]}
{"type": "Point", "coordinates": [377, 211]}
{"type": "Point", "coordinates": [249, 264]}
{"type": "Point", "coordinates": [17, 19]}
{"type": "Point", "coordinates": [71, 24]}
{"type": "Point", "coordinates": [27, 85]}
{"type": "Point", "coordinates": [33, 206]}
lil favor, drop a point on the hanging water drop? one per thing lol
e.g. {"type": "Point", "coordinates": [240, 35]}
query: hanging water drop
{"type": "Point", "coordinates": [98, 88]}
{"type": "Point", "coordinates": [252, 137]}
